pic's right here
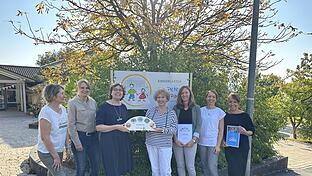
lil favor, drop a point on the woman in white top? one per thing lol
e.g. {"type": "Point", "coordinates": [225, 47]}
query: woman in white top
{"type": "Point", "coordinates": [211, 134]}
{"type": "Point", "coordinates": [53, 130]}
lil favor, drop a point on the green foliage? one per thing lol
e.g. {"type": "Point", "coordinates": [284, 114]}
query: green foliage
{"type": "Point", "coordinates": [218, 29]}
{"type": "Point", "coordinates": [51, 56]}
{"type": "Point", "coordinates": [305, 130]}
{"type": "Point", "coordinates": [265, 118]}
{"type": "Point", "coordinates": [299, 92]}
{"type": "Point", "coordinates": [209, 41]}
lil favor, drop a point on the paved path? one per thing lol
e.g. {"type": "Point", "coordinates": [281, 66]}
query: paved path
{"type": "Point", "coordinates": [16, 139]}
{"type": "Point", "coordinates": [299, 157]}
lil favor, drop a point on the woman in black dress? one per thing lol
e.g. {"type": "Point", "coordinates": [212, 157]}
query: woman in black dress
{"type": "Point", "coordinates": [114, 137]}
{"type": "Point", "coordinates": [237, 157]}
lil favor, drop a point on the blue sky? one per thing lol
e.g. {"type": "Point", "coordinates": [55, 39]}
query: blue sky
{"type": "Point", "coordinates": [19, 50]}
{"type": "Point", "coordinates": [298, 14]}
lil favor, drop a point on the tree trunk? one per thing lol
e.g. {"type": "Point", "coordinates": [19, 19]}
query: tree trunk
{"type": "Point", "coordinates": [294, 132]}
{"type": "Point", "coordinates": [294, 127]}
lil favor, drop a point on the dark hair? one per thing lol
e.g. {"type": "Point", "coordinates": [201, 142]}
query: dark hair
{"type": "Point", "coordinates": [162, 91]}
{"type": "Point", "coordinates": [50, 91]}
{"type": "Point", "coordinates": [83, 81]}
{"type": "Point", "coordinates": [116, 85]}
{"type": "Point", "coordinates": [179, 99]}
{"type": "Point", "coordinates": [235, 97]}
{"type": "Point", "coordinates": [214, 92]}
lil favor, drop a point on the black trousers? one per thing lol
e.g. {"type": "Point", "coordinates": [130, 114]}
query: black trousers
{"type": "Point", "coordinates": [237, 160]}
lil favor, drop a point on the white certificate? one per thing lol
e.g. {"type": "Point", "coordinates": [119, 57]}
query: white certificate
{"type": "Point", "coordinates": [185, 133]}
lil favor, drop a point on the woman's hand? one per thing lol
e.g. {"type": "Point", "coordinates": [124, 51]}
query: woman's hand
{"type": "Point", "coordinates": [178, 143]}
{"type": "Point", "coordinates": [159, 130]}
{"type": "Point", "coordinates": [57, 164]}
{"type": "Point", "coordinates": [190, 144]}
{"type": "Point", "coordinates": [217, 150]}
{"type": "Point", "coordinates": [123, 128]}
{"type": "Point", "coordinates": [79, 147]}
{"type": "Point", "coordinates": [243, 131]}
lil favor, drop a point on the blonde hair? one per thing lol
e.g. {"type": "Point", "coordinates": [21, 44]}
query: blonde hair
{"type": "Point", "coordinates": [162, 91]}
{"type": "Point", "coordinates": [50, 91]}
{"type": "Point", "coordinates": [83, 81]}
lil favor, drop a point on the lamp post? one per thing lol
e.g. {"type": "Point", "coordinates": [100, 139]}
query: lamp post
{"type": "Point", "coordinates": [251, 72]}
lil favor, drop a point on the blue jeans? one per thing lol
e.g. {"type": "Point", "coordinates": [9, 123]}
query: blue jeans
{"type": "Point", "coordinates": [90, 152]}
{"type": "Point", "coordinates": [209, 160]}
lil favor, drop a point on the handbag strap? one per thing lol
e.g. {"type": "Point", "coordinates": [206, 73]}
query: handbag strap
{"type": "Point", "coordinates": [166, 117]}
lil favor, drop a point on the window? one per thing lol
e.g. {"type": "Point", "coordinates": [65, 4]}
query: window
{"type": "Point", "coordinates": [11, 95]}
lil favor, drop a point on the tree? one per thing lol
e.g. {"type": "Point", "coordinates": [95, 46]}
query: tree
{"type": "Point", "coordinates": [288, 104]}
{"type": "Point", "coordinates": [207, 39]}
{"type": "Point", "coordinates": [300, 90]}
{"type": "Point", "coordinates": [216, 30]}
{"type": "Point", "coordinates": [265, 118]}
{"type": "Point", "coordinates": [293, 102]}
{"type": "Point", "coordinates": [51, 56]}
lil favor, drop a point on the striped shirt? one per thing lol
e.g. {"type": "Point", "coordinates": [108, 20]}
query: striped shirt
{"type": "Point", "coordinates": [167, 121]}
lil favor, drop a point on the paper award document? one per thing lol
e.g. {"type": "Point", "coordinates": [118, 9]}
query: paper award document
{"type": "Point", "coordinates": [185, 133]}
{"type": "Point", "coordinates": [232, 136]}
{"type": "Point", "coordinates": [140, 123]}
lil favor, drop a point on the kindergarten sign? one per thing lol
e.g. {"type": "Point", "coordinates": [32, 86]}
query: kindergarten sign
{"type": "Point", "coordinates": [141, 86]}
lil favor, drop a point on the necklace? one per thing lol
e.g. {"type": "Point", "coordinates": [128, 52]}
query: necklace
{"type": "Point", "coordinates": [118, 114]}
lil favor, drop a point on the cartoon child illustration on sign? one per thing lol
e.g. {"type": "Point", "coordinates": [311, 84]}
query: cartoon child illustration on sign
{"type": "Point", "coordinates": [142, 96]}
{"type": "Point", "coordinates": [131, 92]}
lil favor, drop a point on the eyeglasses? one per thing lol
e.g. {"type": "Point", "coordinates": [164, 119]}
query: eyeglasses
{"type": "Point", "coordinates": [116, 89]}
{"type": "Point", "coordinates": [85, 88]}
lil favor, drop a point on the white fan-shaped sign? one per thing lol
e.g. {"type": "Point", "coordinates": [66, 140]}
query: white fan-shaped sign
{"type": "Point", "coordinates": [140, 123]}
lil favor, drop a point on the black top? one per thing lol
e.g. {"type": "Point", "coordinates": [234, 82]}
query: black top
{"type": "Point", "coordinates": [242, 119]}
{"type": "Point", "coordinates": [114, 145]}
{"type": "Point", "coordinates": [185, 116]}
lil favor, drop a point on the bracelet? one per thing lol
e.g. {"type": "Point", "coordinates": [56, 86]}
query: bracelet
{"type": "Point", "coordinates": [163, 130]}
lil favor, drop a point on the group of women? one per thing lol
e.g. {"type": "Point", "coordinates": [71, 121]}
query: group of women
{"type": "Point", "coordinates": [99, 134]}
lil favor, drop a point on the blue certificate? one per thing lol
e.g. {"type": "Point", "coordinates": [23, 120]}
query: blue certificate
{"type": "Point", "coordinates": [232, 136]}
{"type": "Point", "coordinates": [185, 133]}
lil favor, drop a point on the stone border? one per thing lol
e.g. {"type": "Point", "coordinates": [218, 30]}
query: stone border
{"type": "Point", "coordinates": [267, 167]}
{"type": "Point", "coordinates": [35, 164]}
{"type": "Point", "coordinates": [39, 168]}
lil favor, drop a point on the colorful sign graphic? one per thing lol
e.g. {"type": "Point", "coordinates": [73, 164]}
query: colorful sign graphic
{"type": "Point", "coordinates": [140, 86]}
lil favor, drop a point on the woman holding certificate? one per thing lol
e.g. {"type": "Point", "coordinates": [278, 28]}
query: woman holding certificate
{"type": "Point", "coordinates": [159, 142]}
{"type": "Point", "coordinates": [237, 120]}
{"type": "Point", "coordinates": [114, 136]}
{"type": "Point", "coordinates": [189, 124]}
{"type": "Point", "coordinates": [211, 135]}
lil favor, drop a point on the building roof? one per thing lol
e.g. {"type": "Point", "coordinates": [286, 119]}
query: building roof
{"type": "Point", "coordinates": [25, 71]}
